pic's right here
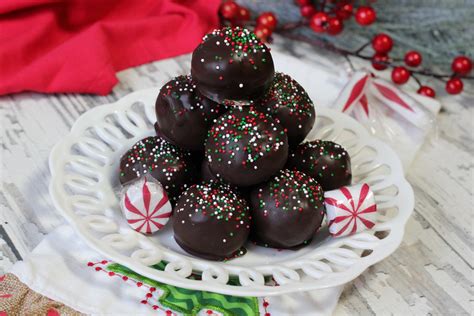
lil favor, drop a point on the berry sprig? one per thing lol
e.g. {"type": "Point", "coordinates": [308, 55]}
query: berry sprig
{"type": "Point", "coordinates": [328, 16]}
{"type": "Point", "coordinates": [382, 44]}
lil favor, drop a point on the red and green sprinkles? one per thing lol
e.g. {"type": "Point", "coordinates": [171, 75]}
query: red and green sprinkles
{"type": "Point", "coordinates": [286, 92]}
{"type": "Point", "coordinates": [289, 189]}
{"type": "Point", "coordinates": [243, 46]}
{"type": "Point", "coordinates": [216, 200]}
{"type": "Point", "coordinates": [244, 130]}
{"type": "Point", "coordinates": [184, 85]}
{"type": "Point", "coordinates": [152, 153]}
{"type": "Point", "coordinates": [241, 41]}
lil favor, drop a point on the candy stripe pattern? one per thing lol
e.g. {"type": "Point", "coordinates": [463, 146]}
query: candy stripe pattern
{"type": "Point", "coordinates": [146, 206]}
{"type": "Point", "coordinates": [350, 210]}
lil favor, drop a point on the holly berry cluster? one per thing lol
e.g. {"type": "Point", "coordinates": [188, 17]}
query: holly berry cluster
{"type": "Point", "coordinates": [238, 15]}
{"type": "Point", "coordinates": [328, 16]}
{"type": "Point", "coordinates": [323, 17]}
{"type": "Point", "coordinates": [383, 44]}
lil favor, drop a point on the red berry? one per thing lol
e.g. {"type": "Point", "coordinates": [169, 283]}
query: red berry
{"type": "Point", "coordinates": [318, 22]}
{"type": "Point", "coordinates": [382, 43]}
{"type": "Point", "coordinates": [243, 14]}
{"type": "Point", "coordinates": [400, 75]}
{"type": "Point", "coordinates": [303, 2]}
{"type": "Point", "coordinates": [365, 15]}
{"type": "Point", "coordinates": [461, 65]}
{"type": "Point", "coordinates": [344, 11]}
{"type": "Point", "coordinates": [307, 11]}
{"type": "Point", "coordinates": [267, 19]}
{"type": "Point", "coordinates": [454, 86]}
{"type": "Point", "coordinates": [335, 26]}
{"type": "Point", "coordinates": [379, 61]}
{"type": "Point", "coordinates": [262, 32]}
{"type": "Point", "coordinates": [426, 91]}
{"type": "Point", "coordinates": [413, 58]}
{"type": "Point", "coordinates": [228, 10]}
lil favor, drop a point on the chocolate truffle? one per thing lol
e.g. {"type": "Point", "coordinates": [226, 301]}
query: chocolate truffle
{"type": "Point", "coordinates": [183, 114]}
{"type": "Point", "coordinates": [165, 162]}
{"type": "Point", "coordinates": [327, 162]}
{"type": "Point", "coordinates": [211, 221]}
{"type": "Point", "coordinates": [246, 147]}
{"type": "Point", "coordinates": [287, 210]}
{"type": "Point", "coordinates": [289, 104]}
{"type": "Point", "coordinates": [232, 66]}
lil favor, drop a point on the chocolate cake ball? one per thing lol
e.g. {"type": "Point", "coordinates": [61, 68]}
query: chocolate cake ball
{"type": "Point", "coordinates": [183, 114]}
{"type": "Point", "coordinates": [232, 66]}
{"type": "Point", "coordinates": [287, 210]}
{"type": "Point", "coordinates": [165, 162]}
{"type": "Point", "coordinates": [211, 221]}
{"type": "Point", "coordinates": [289, 104]}
{"type": "Point", "coordinates": [246, 147]}
{"type": "Point", "coordinates": [327, 162]}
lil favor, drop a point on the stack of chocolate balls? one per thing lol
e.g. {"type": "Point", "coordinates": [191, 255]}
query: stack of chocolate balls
{"type": "Point", "coordinates": [229, 151]}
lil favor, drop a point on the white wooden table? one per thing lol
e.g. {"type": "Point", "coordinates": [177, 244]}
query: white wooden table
{"type": "Point", "coordinates": [431, 273]}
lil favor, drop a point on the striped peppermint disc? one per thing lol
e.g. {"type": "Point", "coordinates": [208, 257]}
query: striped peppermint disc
{"type": "Point", "coordinates": [146, 206]}
{"type": "Point", "coordinates": [350, 209]}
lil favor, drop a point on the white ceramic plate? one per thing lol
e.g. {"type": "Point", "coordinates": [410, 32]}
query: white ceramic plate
{"type": "Point", "coordinates": [84, 186]}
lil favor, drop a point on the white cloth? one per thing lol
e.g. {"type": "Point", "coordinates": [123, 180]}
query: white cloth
{"type": "Point", "coordinates": [57, 268]}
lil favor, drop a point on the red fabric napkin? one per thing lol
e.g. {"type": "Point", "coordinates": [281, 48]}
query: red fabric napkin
{"type": "Point", "coordinates": [79, 45]}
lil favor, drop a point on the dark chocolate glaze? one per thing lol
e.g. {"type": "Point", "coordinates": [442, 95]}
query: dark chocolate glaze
{"type": "Point", "coordinates": [232, 66]}
{"type": "Point", "coordinates": [327, 162]}
{"type": "Point", "coordinates": [287, 210]}
{"type": "Point", "coordinates": [206, 173]}
{"type": "Point", "coordinates": [246, 147]}
{"type": "Point", "coordinates": [211, 221]}
{"type": "Point", "coordinates": [165, 162]}
{"type": "Point", "coordinates": [183, 114]}
{"type": "Point", "coordinates": [289, 104]}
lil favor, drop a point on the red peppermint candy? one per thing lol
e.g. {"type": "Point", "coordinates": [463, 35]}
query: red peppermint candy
{"type": "Point", "coordinates": [146, 206]}
{"type": "Point", "coordinates": [350, 210]}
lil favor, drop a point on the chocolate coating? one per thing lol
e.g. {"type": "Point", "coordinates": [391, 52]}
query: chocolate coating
{"type": "Point", "coordinates": [165, 162]}
{"type": "Point", "coordinates": [327, 162]}
{"type": "Point", "coordinates": [289, 104]}
{"type": "Point", "coordinates": [211, 221]}
{"type": "Point", "coordinates": [287, 210]}
{"type": "Point", "coordinates": [246, 147]}
{"type": "Point", "coordinates": [232, 66]}
{"type": "Point", "coordinates": [206, 173]}
{"type": "Point", "coordinates": [183, 114]}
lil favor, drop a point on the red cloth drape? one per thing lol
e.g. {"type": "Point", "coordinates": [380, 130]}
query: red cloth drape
{"type": "Point", "coordinates": [79, 45]}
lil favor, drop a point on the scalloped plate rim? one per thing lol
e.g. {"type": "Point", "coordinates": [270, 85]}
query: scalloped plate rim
{"type": "Point", "coordinates": [162, 276]}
